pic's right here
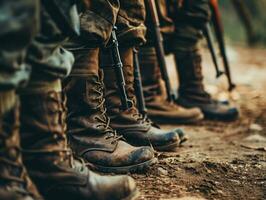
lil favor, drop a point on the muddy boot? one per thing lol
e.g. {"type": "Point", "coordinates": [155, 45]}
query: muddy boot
{"type": "Point", "coordinates": [89, 131]}
{"type": "Point", "coordinates": [137, 129]}
{"type": "Point", "coordinates": [192, 92]}
{"type": "Point", "coordinates": [15, 183]}
{"type": "Point", "coordinates": [49, 160]}
{"type": "Point", "coordinates": [159, 109]}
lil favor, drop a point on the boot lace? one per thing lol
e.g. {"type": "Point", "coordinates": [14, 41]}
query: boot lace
{"type": "Point", "coordinates": [102, 117]}
{"type": "Point", "coordinates": [64, 154]}
{"type": "Point", "coordinates": [143, 119]}
{"type": "Point", "coordinates": [20, 174]}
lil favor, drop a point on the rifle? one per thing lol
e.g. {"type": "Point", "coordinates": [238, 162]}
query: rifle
{"type": "Point", "coordinates": [118, 67]}
{"type": "Point", "coordinates": [219, 32]}
{"type": "Point", "coordinates": [138, 84]}
{"type": "Point", "coordinates": [208, 35]}
{"type": "Point", "coordinates": [158, 40]}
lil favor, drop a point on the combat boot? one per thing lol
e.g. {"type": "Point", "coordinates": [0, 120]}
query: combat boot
{"type": "Point", "coordinates": [15, 183]}
{"type": "Point", "coordinates": [191, 90]}
{"type": "Point", "coordinates": [159, 109]}
{"type": "Point", "coordinates": [50, 163]}
{"type": "Point", "coordinates": [137, 129]}
{"type": "Point", "coordinates": [89, 131]}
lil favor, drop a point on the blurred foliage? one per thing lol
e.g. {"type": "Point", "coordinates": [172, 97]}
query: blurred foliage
{"type": "Point", "coordinates": [234, 28]}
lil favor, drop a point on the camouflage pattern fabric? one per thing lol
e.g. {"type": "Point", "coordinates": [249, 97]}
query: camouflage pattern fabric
{"type": "Point", "coordinates": [19, 24]}
{"type": "Point", "coordinates": [46, 55]}
{"type": "Point", "coordinates": [31, 43]}
{"type": "Point", "coordinates": [182, 22]}
{"type": "Point", "coordinates": [100, 16]}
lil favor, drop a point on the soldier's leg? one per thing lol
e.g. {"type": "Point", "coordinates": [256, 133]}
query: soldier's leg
{"type": "Point", "coordinates": [57, 174]}
{"type": "Point", "coordinates": [136, 128]}
{"type": "Point", "coordinates": [89, 130]}
{"type": "Point", "coordinates": [19, 24]}
{"type": "Point", "coordinates": [159, 108]}
{"type": "Point", "coordinates": [189, 20]}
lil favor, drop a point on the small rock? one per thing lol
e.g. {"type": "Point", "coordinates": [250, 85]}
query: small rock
{"type": "Point", "coordinates": [220, 192]}
{"type": "Point", "coordinates": [255, 138]}
{"type": "Point", "coordinates": [162, 171]}
{"type": "Point", "coordinates": [235, 181]}
{"type": "Point", "coordinates": [255, 127]}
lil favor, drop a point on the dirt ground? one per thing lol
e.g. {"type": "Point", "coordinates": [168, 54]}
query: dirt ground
{"type": "Point", "coordinates": [220, 160]}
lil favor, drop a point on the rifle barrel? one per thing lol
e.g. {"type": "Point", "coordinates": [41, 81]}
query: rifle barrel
{"type": "Point", "coordinates": [208, 36]}
{"type": "Point", "coordinates": [158, 40]}
{"type": "Point", "coordinates": [138, 84]}
{"type": "Point", "coordinates": [216, 18]}
{"type": "Point", "coordinates": [119, 71]}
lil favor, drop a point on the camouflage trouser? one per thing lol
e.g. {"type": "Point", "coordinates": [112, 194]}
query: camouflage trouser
{"type": "Point", "coordinates": [19, 24]}
{"type": "Point", "coordinates": [100, 16]}
{"type": "Point", "coordinates": [45, 54]}
{"type": "Point", "coordinates": [182, 23]}
{"type": "Point", "coordinates": [21, 52]}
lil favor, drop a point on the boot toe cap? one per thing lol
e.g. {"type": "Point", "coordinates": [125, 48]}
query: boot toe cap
{"type": "Point", "coordinates": [222, 112]}
{"type": "Point", "coordinates": [182, 136]}
{"type": "Point", "coordinates": [122, 187]}
{"type": "Point", "coordinates": [164, 140]}
{"type": "Point", "coordinates": [125, 158]}
{"type": "Point", "coordinates": [113, 187]}
{"type": "Point", "coordinates": [142, 154]}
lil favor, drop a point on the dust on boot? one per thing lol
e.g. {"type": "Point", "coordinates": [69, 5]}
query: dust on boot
{"type": "Point", "coordinates": [57, 174]}
{"type": "Point", "coordinates": [191, 90]}
{"type": "Point", "coordinates": [89, 131]}
{"type": "Point", "coordinates": [15, 183]}
{"type": "Point", "coordinates": [159, 109]}
{"type": "Point", "coordinates": [137, 129]}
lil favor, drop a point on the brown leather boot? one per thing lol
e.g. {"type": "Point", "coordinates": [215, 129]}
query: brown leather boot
{"type": "Point", "coordinates": [49, 160]}
{"type": "Point", "coordinates": [137, 129]}
{"type": "Point", "coordinates": [159, 109]}
{"type": "Point", "coordinates": [15, 183]}
{"type": "Point", "coordinates": [89, 131]}
{"type": "Point", "coordinates": [191, 90]}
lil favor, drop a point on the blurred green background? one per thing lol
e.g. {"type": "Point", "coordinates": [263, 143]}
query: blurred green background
{"type": "Point", "coordinates": [254, 33]}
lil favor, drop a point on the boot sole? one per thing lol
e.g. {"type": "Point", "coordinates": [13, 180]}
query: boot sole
{"type": "Point", "coordinates": [138, 168]}
{"type": "Point", "coordinates": [221, 118]}
{"type": "Point", "coordinates": [177, 121]}
{"type": "Point", "coordinates": [169, 147]}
